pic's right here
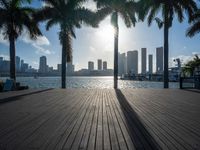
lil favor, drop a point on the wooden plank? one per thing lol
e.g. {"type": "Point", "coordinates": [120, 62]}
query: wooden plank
{"type": "Point", "coordinates": [101, 119]}
{"type": "Point", "coordinates": [111, 127]}
{"type": "Point", "coordinates": [93, 132]}
{"type": "Point", "coordinates": [87, 131]}
{"type": "Point", "coordinates": [78, 133]}
{"type": "Point", "coordinates": [126, 136]}
{"type": "Point", "coordinates": [45, 133]}
{"type": "Point", "coordinates": [106, 133]}
{"type": "Point", "coordinates": [99, 137]}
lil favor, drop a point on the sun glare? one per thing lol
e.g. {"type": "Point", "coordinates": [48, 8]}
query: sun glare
{"type": "Point", "coordinates": [106, 33]}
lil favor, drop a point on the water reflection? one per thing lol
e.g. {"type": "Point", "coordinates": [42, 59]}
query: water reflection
{"type": "Point", "coordinates": [88, 82]}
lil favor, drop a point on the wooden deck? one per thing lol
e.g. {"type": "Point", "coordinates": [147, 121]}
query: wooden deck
{"type": "Point", "coordinates": [101, 119]}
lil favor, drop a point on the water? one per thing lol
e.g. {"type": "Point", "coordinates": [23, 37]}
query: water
{"type": "Point", "coordinates": [87, 82]}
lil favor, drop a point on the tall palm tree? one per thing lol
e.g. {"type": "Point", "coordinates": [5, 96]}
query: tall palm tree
{"type": "Point", "coordinates": [68, 14]}
{"type": "Point", "coordinates": [168, 9]}
{"type": "Point", "coordinates": [124, 8]}
{"type": "Point", "coordinates": [195, 27]}
{"type": "Point", "coordinates": [16, 18]}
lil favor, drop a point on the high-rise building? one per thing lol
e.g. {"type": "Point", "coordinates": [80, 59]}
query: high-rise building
{"type": "Point", "coordinates": [150, 64]}
{"type": "Point", "coordinates": [132, 62]}
{"type": "Point", "coordinates": [70, 68]}
{"type": "Point", "coordinates": [24, 67]}
{"type": "Point", "coordinates": [159, 59]}
{"type": "Point", "coordinates": [22, 62]}
{"type": "Point", "coordinates": [90, 65]}
{"type": "Point", "coordinates": [43, 64]}
{"type": "Point", "coordinates": [105, 65]}
{"type": "Point", "coordinates": [99, 62]}
{"type": "Point", "coordinates": [17, 59]}
{"type": "Point", "coordinates": [1, 62]}
{"type": "Point", "coordinates": [121, 63]}
{"type": "Point", "coordinates": [50, 69]}
{"type": "Point", "coordinates": [143, 60]}
{"type": "Point", "coordinates": [59, 68]}
{"type": "Point", "coordinates": [5, 66]}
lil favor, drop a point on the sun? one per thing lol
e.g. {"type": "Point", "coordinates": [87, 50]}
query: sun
{"type": "Point", "coordinates": [106, 33]}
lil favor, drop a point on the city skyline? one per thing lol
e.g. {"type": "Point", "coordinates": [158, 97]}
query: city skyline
{"type": "Point", "coordinates": [44, 67]}
{"type": "Point", "coordinates": [128, 62]}
{"type": "Point", "coordinates": [101, 45]}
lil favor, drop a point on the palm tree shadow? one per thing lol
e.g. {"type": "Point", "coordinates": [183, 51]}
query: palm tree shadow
{"type": "Point", "coordinates": [140, 136]}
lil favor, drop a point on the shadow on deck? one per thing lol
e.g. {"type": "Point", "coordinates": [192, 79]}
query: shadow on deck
{"type": "Point", "coordinates": [140, 136]}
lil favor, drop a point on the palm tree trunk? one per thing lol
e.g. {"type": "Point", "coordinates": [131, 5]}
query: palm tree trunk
{"type": "Point", "coordinates": [116, 52]}
{"type": "Point", "coordinates": [12, 58]}
{"type": "Point", "coordinates": [166, 52]}
{"type": "Point", "coordinates": [64, 58]}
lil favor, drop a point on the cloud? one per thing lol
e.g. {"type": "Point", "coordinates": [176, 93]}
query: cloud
{"type": "Point", "coordinates": [39, 43]}
{"type": "Point", "coordinates": [41, 50]}
{"type": "Point", "coordinates": [195, 53]}
{"type": "Point", "coordinates": [6, 57]}
{"type": "Point", "coordinates": [92, 49]}
{"type": "Point", "coordinates": [35, 64]}
{"type": "Point", "coordinates": [2, 40]}
{"type": "Point", "coordinates": [41, 40]}
{"type": "Point", "coordinates": [184, 58]}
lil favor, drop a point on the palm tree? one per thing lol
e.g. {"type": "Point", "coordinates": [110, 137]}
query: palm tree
{"type": "Point", "coordinates": [14, 19]}
{"type": "Point", "coordinates": [168, 9]}
{"type": "Point", "coordinates": [195, 28]}
{"type": "Point", "coordinates": [191, 65]}
{"type": "Point", "coordinates": [124, 8]}
{"type": "Point", "coordinates": [68, 14]}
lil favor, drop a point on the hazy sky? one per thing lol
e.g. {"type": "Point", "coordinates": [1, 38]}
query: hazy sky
{"type": "Point", "coordinates": [92, 44]}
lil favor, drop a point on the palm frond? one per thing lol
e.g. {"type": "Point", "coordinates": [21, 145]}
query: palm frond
{"type": "Point", "coordinates": [86, 16]}
{"type": "Point", "coordinates": [103, 13]}
{"type": "Point", "coordinates": [159, 22]}
{"type": "Point", "coordinates": [194, 29]}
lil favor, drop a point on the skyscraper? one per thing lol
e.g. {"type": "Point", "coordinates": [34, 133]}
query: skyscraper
{"type": "Point", "coordinates": [43, 64]}
{"type": "Point", "coordinates": [150, 64]}
{"type": "Point", "coordinates": [70, 68]}
{"type": "Point", "coordinates": [17, 59]}
{"type": "Point", "coordinates": [105, 65]}
{"type": "Point", "coordinates": [90, 65]}
{"type": "Point", "coordinates": [132, 62]}
{"type": "Point", "coordinates": [159, 59]}
{"type": "Point", "coordinates": [121, 63]}
{"type": "Point", "coordinates": [99, 62]}
{"type": "Point", "coordinates": [24, 67]}
{"type": "Point", "coordinates": [5, 66]}
{"type": "Point", "coordinates": [143, 60]}
{"type": "Point", "coordinates": [59, 68]}
{"type": "Point", "coordinates": [22, 63]}
{"type": "Point", "coordinates": [1, 62]}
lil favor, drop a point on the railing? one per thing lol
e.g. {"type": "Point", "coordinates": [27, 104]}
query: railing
{"type": "Point", "coordinates": [190, 82]}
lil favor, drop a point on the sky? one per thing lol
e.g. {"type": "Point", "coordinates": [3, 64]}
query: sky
{"type": "Point", "coordinates": [98, 43]}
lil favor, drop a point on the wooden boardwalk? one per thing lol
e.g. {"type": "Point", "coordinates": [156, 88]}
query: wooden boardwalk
{"type": "Point", "coordinates": [101, 119]}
